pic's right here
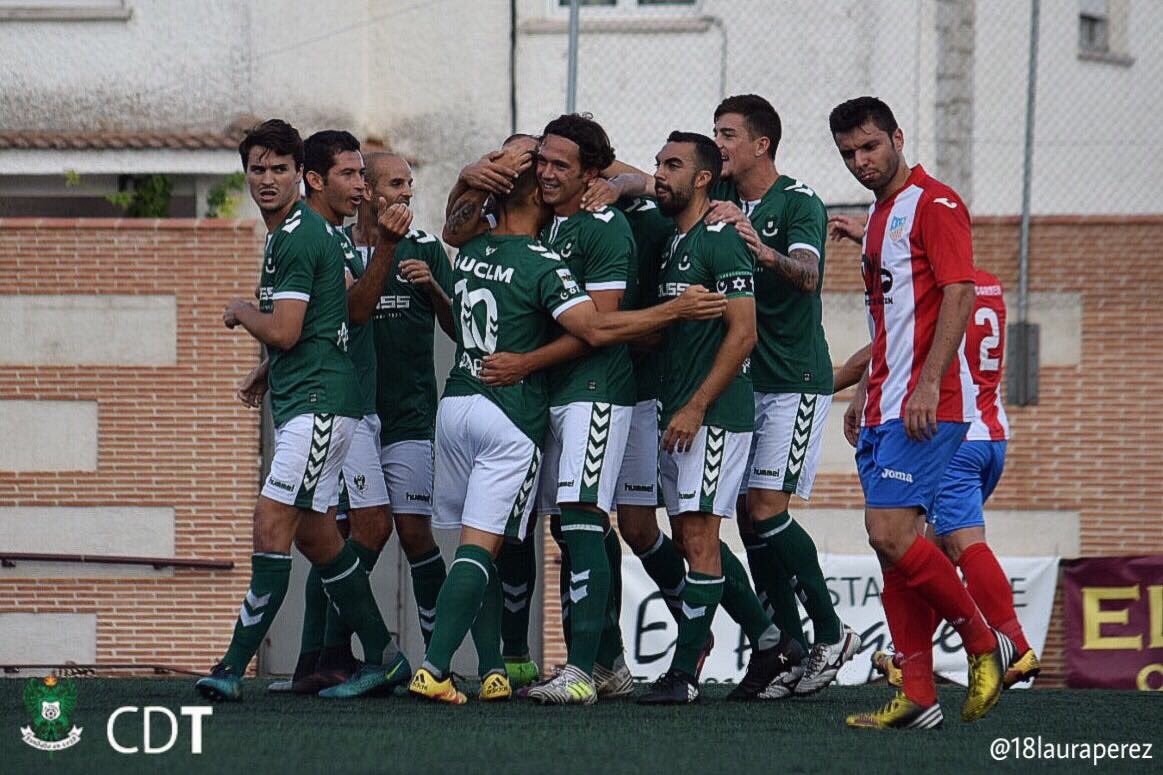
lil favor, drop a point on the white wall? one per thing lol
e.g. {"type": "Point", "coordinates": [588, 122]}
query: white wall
{"type": "Point", "coordinates": [432, 79]}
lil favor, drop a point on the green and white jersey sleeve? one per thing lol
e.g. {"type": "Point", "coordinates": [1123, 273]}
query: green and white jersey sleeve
{"type": "Point", "coordinates": [715, 257]}
{"type": "Point", "coordinates": [791, 355]}
{"type": "Point", "coordinates": [405, 324]}
{"type": "Point", "coordinates": [506, 293]}
{"type": "Point", "coordinates": [303, 261]}
{"type": "Point", "coordinates": [599, 250]}
{"type": "Point", "coordinates": [361, 341]}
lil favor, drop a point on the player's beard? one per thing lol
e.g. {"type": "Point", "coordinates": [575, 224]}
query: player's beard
{"type": "Point", "coordinates": [676, 199]}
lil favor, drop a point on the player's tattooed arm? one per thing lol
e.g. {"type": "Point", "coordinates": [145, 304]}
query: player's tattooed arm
{"type": "Point", "coordinates": [800, 268]}
{"type": "Point", "coordinates": [463, 221]}
{"type": "Point", "coordinates": [852, 370]}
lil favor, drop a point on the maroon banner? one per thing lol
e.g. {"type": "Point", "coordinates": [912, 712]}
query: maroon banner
{"type": "Point", "coordinates": [1114, 623]}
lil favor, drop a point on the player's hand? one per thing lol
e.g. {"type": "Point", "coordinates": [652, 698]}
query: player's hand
{"type": "Point", "coordinates": [921, 411]}
{"type": "Point", "coordinates": [230, 314]}
{"type": "Point", "coordinates": [489, 174]}
{"type": "Point", "coordinates": [762, 253]}
{"type": "Point", "coordinates": [393, 222]}
{"type": "Point", "coordinates": [841, 227]}
{"type": "Point", "coordinates": [600, 193]}
{"type": "Point", "coordinates": [725, 212]}
{"type": "Point", "coordinates": [416, 272]}
{"type": "Point", "coordinates": [253, 386]}
{"type": "Point", "coordinates": [852, 417]}
{"type": "Point", "coordinates": [697, 303]}
{"type": "Point", "coordinates": [501, 369]}
{"type": "Point", "coordinates": [684, 426]}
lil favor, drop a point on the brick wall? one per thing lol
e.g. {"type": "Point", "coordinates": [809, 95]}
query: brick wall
{"type": "Point", "coordinates": [1088, 445]}
{"type": "Point", "coordinates": [169, 435]}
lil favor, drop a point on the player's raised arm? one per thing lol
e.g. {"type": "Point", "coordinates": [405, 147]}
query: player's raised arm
{"type": "Point", "coordinates": [493, 174]}
{"type": "Point", "coordinates": [392, 224]}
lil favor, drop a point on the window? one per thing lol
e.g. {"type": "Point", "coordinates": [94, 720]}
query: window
{"type": "Point", "coordinates": [1102, 31]}
{"type": "Point", "coordinates": [1093, 24]}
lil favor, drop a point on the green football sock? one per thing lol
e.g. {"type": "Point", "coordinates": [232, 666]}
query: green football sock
{"type": "Point", "coordinates": [700, 598]}
{"type": "Point", "coordinates": [741, 604]}
{"type": "Point", "coordinates": [346, 582]}
{"type": "Point", "coordinates": [610, 645]}
{"type": "Point", "coordinates": [517, 567]}
{"type": "Point", "coordinates": [589, 584]}
{"type": "Point", "coordinates": [562, 578]}
{"type": "Point", "coordinates": [457, 606]}
{"type": "Point", "coordinates": [428, 575]}
{"type": "Point", "coordinates": [666, 568]}
{"type": "Point", "coordinates": [774, 589]}
{"type": "Point", "coordinates": [336, 634]}
{"type": "Point", "coordinates": [269, 576]}
{"type": "Point", "coordinates": [486, 629]}
{"type": "Point", "coordinates": [314, 615]}
{"type": "Point", "coordinates": [797, 552]}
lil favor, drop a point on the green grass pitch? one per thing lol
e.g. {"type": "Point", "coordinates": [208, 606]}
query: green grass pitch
{"type": "Point", "coordinates": [290, 735]}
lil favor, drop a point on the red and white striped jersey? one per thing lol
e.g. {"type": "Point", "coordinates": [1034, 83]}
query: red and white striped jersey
{"type": "Point", "coordinates": [985, 341]}
{"type": "Point", "coordinates": [916, 242]}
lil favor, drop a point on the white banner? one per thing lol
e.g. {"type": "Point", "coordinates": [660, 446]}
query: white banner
{"type": "Point", "coordinates": [854, 581]}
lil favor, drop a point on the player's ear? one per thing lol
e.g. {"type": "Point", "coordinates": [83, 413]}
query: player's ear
{"type": "Point", "coordinates": [898, 139]}
{"type": "Point", "coordinates": [703, 179]}
{"type": "Point", "coordinates": [314, 181]}
{"type": "Point", "coordinates": [761, 146]}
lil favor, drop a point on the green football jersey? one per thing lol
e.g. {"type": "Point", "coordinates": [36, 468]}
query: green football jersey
{"type": "Point", "coordinates": [404, 326]}
{"type": "Point", "coordinates": [303, 260]}
{"type": "Point", "coordinates": [598, 248]}
{"type": "Point", "coordinates": [360, 344]}
{"type": "Point", "coordinates": [652, 232]}
{"type": "Point", "coordinates": [717, 258]}
{"type": "Point", "coordinates": [506, 291]}
{"type": "Point", "coordinates": [791, 355]}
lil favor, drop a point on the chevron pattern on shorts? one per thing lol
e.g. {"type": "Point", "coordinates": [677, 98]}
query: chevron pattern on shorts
{"type": "Point", "coordinates": [800, 436]}
{"type": "Point", "coordinates": [527, 487]}
{"type": "Point", "coordinates": [713, 461]}
{"type": "Point", "coordinates": [320, 442]}
{"type": "Point", "coordinates": [596, 441]}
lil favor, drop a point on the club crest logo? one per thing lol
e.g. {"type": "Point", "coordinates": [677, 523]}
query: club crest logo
{"type": "Point", "coordinates": [50, 702]}
{"type": "Point", "coordinates": [896, 229]}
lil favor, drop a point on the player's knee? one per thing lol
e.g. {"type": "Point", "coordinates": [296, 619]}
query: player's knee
{"type": "Point", "coordinates": [640, 534]}
{"type": "Point", "coordinates": [764, 504]}
{"type": "Point", "coordinates": [415, 535]}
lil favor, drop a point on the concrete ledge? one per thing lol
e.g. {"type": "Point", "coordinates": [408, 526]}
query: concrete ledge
{"type": "Point", "coordinates": [48, 435]}
{"type": "Point", "coordinates": [48, 638]}
{"type": "Point", "coordinates": [112, 530]}
{"type": "Point", "coordinates": [107, 330]}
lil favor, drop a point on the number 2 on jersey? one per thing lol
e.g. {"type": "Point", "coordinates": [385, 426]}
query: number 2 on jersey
{"type": "Point", "coordinates": [983, 316]}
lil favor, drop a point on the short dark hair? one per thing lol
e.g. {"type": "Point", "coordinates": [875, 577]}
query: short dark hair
{"type": "Point", "coordinates": [854, 113]}
{"type": "Point", "coordinates": [519, 135]}
{"type": "Point", "coordinates": [758, 114]}
{"type": "Point", "coordinates": [707, 154]}
{"type": "Point", "coordinates": [321, 149]}
{"type": "Point", "coordinates": [523, 185]}
{"type": "Point", "coordinates": [594, 149]}
{"type": "Point", "coordinates": [275, 135]}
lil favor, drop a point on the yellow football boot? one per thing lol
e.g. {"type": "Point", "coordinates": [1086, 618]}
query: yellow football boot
{"type": "Point", "coordinates": [883, 664]}
{"type": "Point", "coordinates": [899, 713]}
{"type": "Point", "coordinates": [495, 688]}
{"type": "Point", "coordinates": [1026, 668]}
{"type": "Point", "coordinates": [987, 678]}
{"type": "Point", "coordinates": [425, 685]}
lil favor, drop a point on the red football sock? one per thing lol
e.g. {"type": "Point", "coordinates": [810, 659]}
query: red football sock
{"type": "Point", "coordinates": [930, 573]}
{"type": "Point", "coordinates": [990, 588]}
{"type": "Point", "coordinates": [910, 623]}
